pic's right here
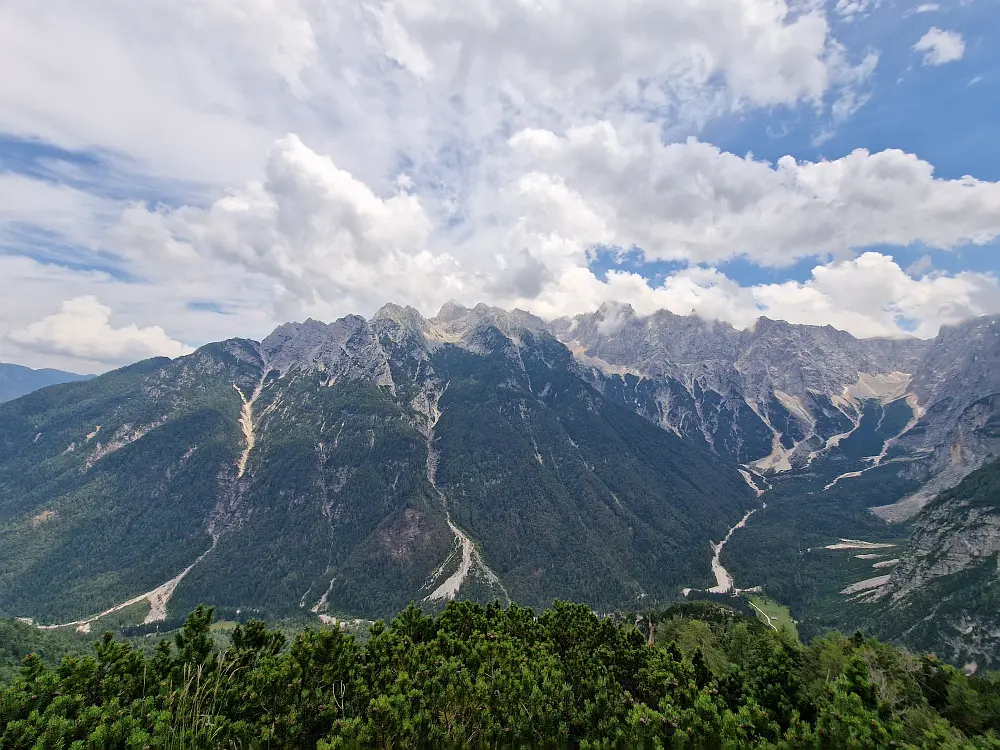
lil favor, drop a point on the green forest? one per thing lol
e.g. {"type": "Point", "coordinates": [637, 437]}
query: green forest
{"type": "Point", "coordinates": [696, 675]}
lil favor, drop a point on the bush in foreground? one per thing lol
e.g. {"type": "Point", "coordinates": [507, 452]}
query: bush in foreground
{"type": "Point", "coordinates": [478, 676]}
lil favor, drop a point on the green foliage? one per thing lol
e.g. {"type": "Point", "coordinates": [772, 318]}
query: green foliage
{"type": "Point", "coordinates": [569, 493]}
{"type": "Point", "coordinates": [18, 639]}
{"type": "Point", "coordinates": [485, 676]}
{"type": "Point", "coordinates": [91, 517]}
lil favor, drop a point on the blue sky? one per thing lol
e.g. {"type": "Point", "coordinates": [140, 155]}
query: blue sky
{"type": "Point", "coordinates": [186, 172]}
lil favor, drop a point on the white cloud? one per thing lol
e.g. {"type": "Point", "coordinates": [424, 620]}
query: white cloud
{"type": "Point", "coordinates": [851, 9]}
{"type": "Point", "coordinates": [570, 54]}
{"type": "Point", "coordinates": [31, 290]}
{"type": "Point", "coordinates": [82, 328]}
{"type": "Point", "coordinates": [871, 295]}
{"type": "Point", "coordinates": [868, 296]}
{"type": "Point", "coordinates": [928, 8]}
{"type": "Point", "coordinates": [196, 90]}
{"type": "Point", "coordinates": [940, 47]}
{"type": "Point", "coordinates": [920, 266]}
{"type": "Point", "coordinates": [75, 215]}
{"type": "Point", "coordinates": [694, 202]}
{"type": "Point", "coordinates": [468, 150]}
{"type": "Point", "coordinates": [319, 237]}
{"type": "Point", "coordinates": [327, 244]}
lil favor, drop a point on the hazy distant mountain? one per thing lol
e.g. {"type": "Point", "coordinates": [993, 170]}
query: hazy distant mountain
{"type": "Point", "coordinates": [16, 381]}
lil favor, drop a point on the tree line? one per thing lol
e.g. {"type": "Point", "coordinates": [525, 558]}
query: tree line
{"type": "Point", "coordinates": [696, 675]}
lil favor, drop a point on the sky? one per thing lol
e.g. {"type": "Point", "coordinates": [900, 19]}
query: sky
{"type": "Point", "coordinates": [175, 172]}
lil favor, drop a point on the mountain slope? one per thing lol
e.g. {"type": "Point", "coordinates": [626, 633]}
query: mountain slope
{"type": "Point", "coordinates": [837, 426]}
{"type": "Point", "coordinates": [112, 486]}
{"type": "Point", "coordinates": [349, 468]}
{"type": "Point", "coordinates": [16, 381]}
{"type": "Point", "coordinates": [944, 594]}
{"type": "Point", "coordinates": [806, 399]}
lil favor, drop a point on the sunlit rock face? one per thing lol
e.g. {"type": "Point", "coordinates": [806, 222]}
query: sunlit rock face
{"type": "Point", "coordinates": [781, 397]}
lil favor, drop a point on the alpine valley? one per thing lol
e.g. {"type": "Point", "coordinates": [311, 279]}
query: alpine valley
{"type": "Point", "coordinates": [346, 469]}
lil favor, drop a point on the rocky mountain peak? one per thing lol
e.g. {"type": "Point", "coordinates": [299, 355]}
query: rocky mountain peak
{"type": "Point", "coordinates": [400, 325]}
{"type": "Point", "coordinates": [464, 327]}
{"type": "Point", "coordinates": [404, 316]}
{"type": "Point", "coordinates": [451, 310]}
{"type": "Point", "coordinates": [347, 346]}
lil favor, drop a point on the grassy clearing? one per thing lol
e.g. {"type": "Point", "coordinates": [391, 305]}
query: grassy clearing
{"type": "Point", "coordinates": [774, 614]}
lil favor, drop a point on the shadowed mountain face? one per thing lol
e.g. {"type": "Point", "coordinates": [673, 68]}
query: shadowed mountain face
{"type": "Point", "coordinates": [350, 468]}
{"type": "Point", "coordinates": [17, 381]}
{"type": "Point", "coordinates": [944, 594]}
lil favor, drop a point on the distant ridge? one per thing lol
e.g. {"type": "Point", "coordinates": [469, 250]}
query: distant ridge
{"type": "Point", "coordinates": [17, 380]}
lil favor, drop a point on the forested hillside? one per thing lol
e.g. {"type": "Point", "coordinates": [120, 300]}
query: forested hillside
{"type": "Point", "coordinates": [945, 592]}
{"type": "Point", "coordinates": [693, 676]}
{"type": "Point", "coordinates": [344, 470]}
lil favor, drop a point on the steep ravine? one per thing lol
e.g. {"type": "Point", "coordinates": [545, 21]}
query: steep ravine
{"type": "Point", "coordinates": [470, 557]}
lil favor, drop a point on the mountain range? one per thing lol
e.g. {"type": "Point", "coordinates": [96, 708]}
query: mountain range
{"type": "Point", "coordinates": [345, 469]}
{"type": "Point", "coordinates": [16, 381]}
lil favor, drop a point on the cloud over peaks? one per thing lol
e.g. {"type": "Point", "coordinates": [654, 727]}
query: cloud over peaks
{"type": "Point", "coordinates": [82, 328]}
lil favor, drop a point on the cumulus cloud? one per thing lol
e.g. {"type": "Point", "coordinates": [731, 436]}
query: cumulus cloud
{"type": "Point", "coordinates": [871, 295]}
{"type": "Point", "coordinates": [868, 296]}
{"type": "Point", "coordinates": [196, 89]}
{"type": "Point", "coordinates": [82, 328]}
{"type": "Point", "coordinates": [321, 238]}
{"type": "Point", "coordinates": [766, 51]}
{"type": "Point", "coordinates": [476, 151]}
{"type": "Point", "coordinates": [328, 244]}
{"type": "Point", "coordinates": [940, 47]}
{"type": "Point", "coordinates": [695, 202]}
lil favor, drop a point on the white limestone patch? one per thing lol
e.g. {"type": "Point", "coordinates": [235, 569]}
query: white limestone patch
{"type": "Point", "coordinates": [748, 478]}
{"type": "Point", "coordinates": [865, 585]}
{"type": "Point", "coordinates": [579, 352]}
{"type": "Point", "coordinates": [247, 424]}
{"type": "Point", "coordinates": [845, 475]}
{"type": "Point", "coordinates": [449, 589]}
{"type": "Point", "coordinates": [858, 544]}
{"type": "Point", "coordinates": [470, 557]}
{"type": "Point", "coordinates": [884, 387]}
{"type": "Point", "coordinates": [124, 435]}
{"type": "Point", "coordinates": [157, 599]}
{"type": "Point", "coordinates": [724, 581]}
{"type": "Point", "coordinates": [887, 563]}
{"type": "Point", "coordinates": [793, 405]}
{"type": "Point", "coordinates": [46, 515]}
{"type": "Point", "coordinates": [780, 457]}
